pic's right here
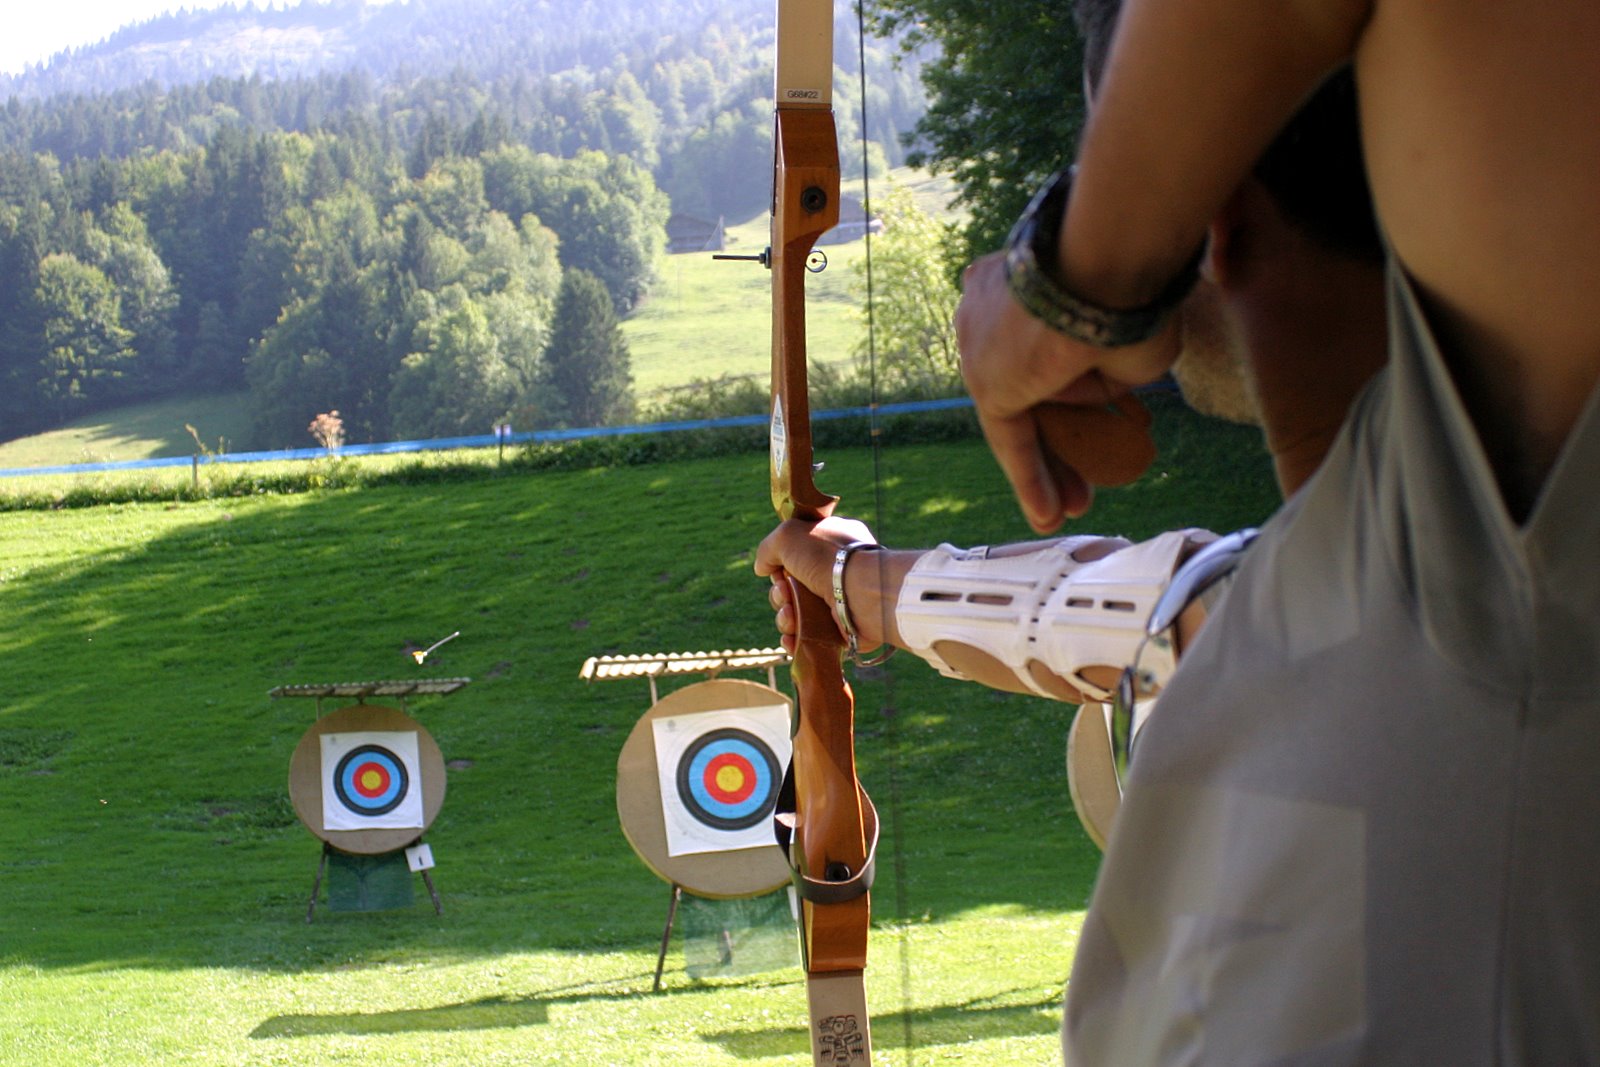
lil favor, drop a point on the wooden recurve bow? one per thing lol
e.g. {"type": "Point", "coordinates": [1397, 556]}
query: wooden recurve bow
{"type": "Point", "coordinates": [833, 829]}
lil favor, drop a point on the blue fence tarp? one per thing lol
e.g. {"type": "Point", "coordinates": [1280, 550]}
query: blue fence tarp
{"type": "Point", "coordinates": [440, 444]}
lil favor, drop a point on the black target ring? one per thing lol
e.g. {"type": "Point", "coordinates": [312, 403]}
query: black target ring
{"type": "Point", "coordinates": [352, 786]}
{"type": "Point", "coordinates": [747, 805]}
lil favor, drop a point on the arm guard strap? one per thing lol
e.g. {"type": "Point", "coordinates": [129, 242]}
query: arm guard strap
{"type": "Point", "coordinates": [1042, 606]}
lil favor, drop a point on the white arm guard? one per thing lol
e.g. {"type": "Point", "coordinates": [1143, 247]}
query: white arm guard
{"type": "Point", "coordinates": [1043, 607]}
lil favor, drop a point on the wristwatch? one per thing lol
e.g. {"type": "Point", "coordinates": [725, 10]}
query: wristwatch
{"type": "Point", "coordinates": [1031, 276]}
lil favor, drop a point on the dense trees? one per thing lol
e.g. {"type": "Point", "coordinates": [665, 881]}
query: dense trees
{"type": "Point", "coordinates": [1005, 98]}
{"type": "Point", "coordinates": [682, 88]}
{"type": "Point", "coordinates": [84, 342]}
{"type": "Point", "coordinates": [85, 299]}
{"type": "Point", "coordinates": [317, 274]}
{"type": "Point", "coordinates": [607, 210]}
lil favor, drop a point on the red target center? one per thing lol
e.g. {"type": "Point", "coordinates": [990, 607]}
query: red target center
{"type": "Point", "coordinates": [371, 780]}
{"type": "Point", "coordinates": [730, 778]}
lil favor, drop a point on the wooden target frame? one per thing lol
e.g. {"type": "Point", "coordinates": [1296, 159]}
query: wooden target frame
{"type": "Point", "coordinates": [1091, 776]}
{"type": "Point", "coordinates": [306, 775]}
{"type": "Point", "coordinates": [745, 872]}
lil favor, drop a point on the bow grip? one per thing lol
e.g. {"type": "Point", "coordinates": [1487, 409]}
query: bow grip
{"type": "Point", "coordinates": [830, 842]}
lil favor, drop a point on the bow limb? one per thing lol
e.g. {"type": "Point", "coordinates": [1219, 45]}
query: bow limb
{"type": "Point", "coordinates": [832, 828]}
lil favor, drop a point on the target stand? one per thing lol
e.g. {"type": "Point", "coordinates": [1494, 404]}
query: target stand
{"type": "Point", "coordinates": [698, 777]}
{"type": "Point", "coordinates": [367, 781]}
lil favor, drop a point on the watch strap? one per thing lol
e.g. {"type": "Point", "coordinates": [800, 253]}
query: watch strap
{"type": "Point", "coordinates": [1030, 262]}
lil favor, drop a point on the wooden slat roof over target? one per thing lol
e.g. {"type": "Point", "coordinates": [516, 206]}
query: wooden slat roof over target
{"type": "Point", "coordinates": [661, 664]}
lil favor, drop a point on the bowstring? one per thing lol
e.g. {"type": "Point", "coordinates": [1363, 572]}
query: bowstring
{"type": "Point", "coordinates": [889, 712]}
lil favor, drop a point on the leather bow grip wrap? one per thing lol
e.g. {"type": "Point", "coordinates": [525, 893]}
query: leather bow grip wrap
{"type": "Point", "coordinates": [832, 829]}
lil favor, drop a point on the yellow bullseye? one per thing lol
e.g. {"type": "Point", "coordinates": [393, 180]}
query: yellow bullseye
{"type": "Point", "coordinates": [371, 780]}
{"type": "Point", "coordinates": [730, 779]}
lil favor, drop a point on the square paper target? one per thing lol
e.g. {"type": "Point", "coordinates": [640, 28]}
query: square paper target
{"type": "Point", "coordinates": [720, 772]}
{"type": "Point", "coordinates": [371, 780]}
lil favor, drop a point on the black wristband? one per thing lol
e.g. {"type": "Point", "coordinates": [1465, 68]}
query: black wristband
{"type": "Point", "coordinates": [1030, 276]}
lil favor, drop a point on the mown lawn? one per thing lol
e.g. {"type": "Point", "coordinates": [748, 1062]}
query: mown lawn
{"type": "Point", "coordinates": [156, 877]}
{"type": "Point", "coordinates": [708, 318]}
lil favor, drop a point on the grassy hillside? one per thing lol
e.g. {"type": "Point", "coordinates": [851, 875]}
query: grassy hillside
{"type": "Point", "coordinates": [706, 318]}
{"type": "Point", "coordinates": [139, 431]}
{"type": "Point", "coordinates": [156, 878]}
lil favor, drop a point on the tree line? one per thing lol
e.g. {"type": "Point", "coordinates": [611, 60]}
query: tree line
{"type": "Point", "coordinates": [1005, 106]}
{"type": "Point", "coordinates": [320, 271]}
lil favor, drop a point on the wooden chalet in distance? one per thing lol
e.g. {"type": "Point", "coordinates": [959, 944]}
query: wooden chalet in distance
{"type": "Point", "coordinates": [689, 233]}
{"type": "Point", "coordinates": [686, 233]}
{"type": "Point", "coordinates": [853, 223]}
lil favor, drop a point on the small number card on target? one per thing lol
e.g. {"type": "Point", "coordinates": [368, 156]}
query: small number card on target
{"type": "Point", "coordinates": [720, 772]}
{"type": "Point", "coordinates": [371, 780]}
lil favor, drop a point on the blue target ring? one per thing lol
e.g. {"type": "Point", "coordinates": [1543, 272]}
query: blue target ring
{"type": "Point", "coordinates": [728, 779]}
{"type": "Point", "coordinates": [371, 780]}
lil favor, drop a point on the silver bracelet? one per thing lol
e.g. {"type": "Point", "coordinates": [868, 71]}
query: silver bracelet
{"type": "Point", "coordinates": [841, 612]}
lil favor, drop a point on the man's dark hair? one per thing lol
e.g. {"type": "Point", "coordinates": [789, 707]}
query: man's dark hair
{"type": "Point", "coordinates": [1314, 168]}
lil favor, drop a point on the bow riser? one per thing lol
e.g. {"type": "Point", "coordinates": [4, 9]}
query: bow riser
{"type": "Point", "coordinates": [830, 837]}
{"type": "Point", "coordinates": [833, 820]}
{"type": "Point", "coordinates": [805, 206]}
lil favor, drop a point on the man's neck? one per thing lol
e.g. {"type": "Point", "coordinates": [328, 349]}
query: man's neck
{"type": "Point", "coordinates": [1315, 331]}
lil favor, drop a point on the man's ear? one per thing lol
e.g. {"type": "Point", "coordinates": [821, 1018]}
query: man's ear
{"type": "Point", "coordinates": [1232, 237]}
{"type": "Point", "coordinates": [1213, 264]}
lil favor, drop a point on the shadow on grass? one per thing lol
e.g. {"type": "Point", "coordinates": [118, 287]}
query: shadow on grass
{"type": "Point", "coordinates": [922, 1028]}
{"type": "Point", "coordinates": [487, 1013]}
{"type": "Point", "coordinates": [947, 1024]}
{"type": "Point", "coordinates": [490, 1013]}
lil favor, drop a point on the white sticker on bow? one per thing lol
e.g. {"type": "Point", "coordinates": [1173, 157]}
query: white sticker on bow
{"type": "Point", "coordinates": [780, 437]}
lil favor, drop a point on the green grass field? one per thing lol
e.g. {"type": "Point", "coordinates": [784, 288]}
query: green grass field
{"type": "Point", "coordinates": [156, 877]}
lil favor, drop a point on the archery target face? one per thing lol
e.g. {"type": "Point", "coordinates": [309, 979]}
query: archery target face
{"type": "Point", "coordinates": [719, 773]}
{"type": "Point", "coordinates": [371, 780]}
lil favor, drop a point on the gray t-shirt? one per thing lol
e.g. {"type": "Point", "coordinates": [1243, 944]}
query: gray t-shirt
{"type": "Point", "coordinates": [1364, 827]}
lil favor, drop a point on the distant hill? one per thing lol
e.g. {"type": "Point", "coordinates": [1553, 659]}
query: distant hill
{"type": "Point", "coordinates": [642, 78]}
{"type": "Point", "coordinates": [534, 37]}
